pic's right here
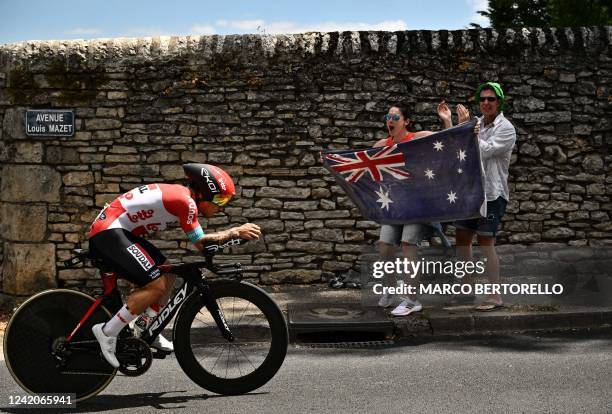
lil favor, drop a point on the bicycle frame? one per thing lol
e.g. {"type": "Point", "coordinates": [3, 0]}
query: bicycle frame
{"type": "Point", "coordinates": [193, 281]}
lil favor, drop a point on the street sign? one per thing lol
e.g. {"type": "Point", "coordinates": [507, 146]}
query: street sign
{"type": "Point", "coordinates": [49, 123]}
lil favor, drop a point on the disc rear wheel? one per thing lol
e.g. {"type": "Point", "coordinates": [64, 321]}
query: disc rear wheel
{"type": "Point", "coordinates": [38, 329]}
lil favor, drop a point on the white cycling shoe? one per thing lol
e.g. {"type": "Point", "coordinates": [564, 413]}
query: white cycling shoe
{"type": "Point", "coordinates": [108, 344]}
{"type": "Point", "coordinates": [162, 344]}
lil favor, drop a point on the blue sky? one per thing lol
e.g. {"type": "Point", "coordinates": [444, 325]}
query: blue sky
{"type": "Point", "coordinates": [72, 19]}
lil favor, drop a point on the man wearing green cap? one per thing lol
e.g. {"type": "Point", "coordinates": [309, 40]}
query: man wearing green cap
{"type": "Point", "coordinates": [496, 137]}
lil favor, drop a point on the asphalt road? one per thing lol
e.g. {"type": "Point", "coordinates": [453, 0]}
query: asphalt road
{"type": "Point", "coordinates": [521, 373]}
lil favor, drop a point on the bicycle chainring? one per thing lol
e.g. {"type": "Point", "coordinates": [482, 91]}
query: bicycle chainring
{"type": "Point", "coordinates": [134, 356]}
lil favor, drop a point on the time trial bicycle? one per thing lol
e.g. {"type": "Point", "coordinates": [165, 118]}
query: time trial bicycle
{"type": "Point", "coordinates": [230, 337]}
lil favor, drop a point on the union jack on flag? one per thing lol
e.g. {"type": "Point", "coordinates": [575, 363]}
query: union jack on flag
{"type": "Point", "coordinates": [431, 179]}
{"type": "Point", "coordinates": [360, 162]}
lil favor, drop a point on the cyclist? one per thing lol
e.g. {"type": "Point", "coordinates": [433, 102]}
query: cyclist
{"type": "Point", "coordinates": [116, 238]}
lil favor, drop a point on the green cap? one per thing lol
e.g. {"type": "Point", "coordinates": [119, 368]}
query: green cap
{"type": "Point", "coordinates": [498, 92]}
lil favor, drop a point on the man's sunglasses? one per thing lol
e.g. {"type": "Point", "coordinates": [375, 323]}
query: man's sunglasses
{"type": "Point", "coordinates": [488, 98]}
{"type": "Point", "coordinates": [392, 117]}
{"type": "Point", "coordinates": [221, 200]}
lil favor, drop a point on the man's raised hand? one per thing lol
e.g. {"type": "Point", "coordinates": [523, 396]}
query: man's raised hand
{"type": "Point", "coordinates": [463, 114]}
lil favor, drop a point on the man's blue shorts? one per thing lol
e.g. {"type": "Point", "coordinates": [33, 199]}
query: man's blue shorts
{"type": "Point", "coordinates": [486, 226]}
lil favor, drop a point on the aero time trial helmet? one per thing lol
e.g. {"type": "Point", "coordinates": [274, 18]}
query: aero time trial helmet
{"type": "Point", "coordinates": [210, 183]}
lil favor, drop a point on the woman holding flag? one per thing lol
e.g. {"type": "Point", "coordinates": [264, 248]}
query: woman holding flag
{"type": "Point", "coordinates": [408, 236]}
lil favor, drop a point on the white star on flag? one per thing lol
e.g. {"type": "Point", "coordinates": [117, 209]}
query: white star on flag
{"type": "Point", "coordinates": [461, 155]}
{"type": "Point", "coordinates": [438, 146]}
{"type": "Point", "coordinates": [459, 171]}
{"type": "Point", "coordinates": [384, 199]}
{"type": "Point", "coordinates": [429, 174]}
{"type": "Point", "coordinates": [451, 197]}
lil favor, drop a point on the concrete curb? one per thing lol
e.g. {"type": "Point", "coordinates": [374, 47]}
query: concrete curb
{"type": "Point", "coordinates": [443, 323]}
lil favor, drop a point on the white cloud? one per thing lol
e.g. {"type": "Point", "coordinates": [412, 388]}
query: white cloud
{"type": "Point", "coordinates": [202, 29]}
{"type": "Point", "coordinates": [291, 27]}
{"type": "Point", "coordinates": [83, 31]}
{"type": "Point", "coordinates": [146, 32]}
{"type": "Point", "coordinates": [279, 27]}
{"type": "Point", "coordinates": [477, 5]}
{"type": "Point", "coordinates": [245, 25]}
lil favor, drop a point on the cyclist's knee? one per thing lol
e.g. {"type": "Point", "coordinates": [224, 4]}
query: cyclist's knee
{"type": "Point", "coordinates": [157, 287]}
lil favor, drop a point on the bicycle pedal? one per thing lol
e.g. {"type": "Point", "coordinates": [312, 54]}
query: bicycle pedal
{"type": "Point", "coordinates": [160, 354]}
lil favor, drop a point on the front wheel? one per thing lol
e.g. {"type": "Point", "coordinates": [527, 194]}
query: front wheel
{"type": "Point", "coordinates": [240, 366]}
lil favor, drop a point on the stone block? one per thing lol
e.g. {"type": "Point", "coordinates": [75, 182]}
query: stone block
{"type": "Point", "coordinates": [253, 181]}
{"type": "Point", "coordinates": [26, 183]}
{"type": "Point", "coordinates": [78, 178]}
{"type": "Point", "coordinates": [593, 163]}
{"type": "Point", "coordinates": [310, 246]}
{"type": "Point", "coordinates": [291, 276]}
{"type": "Point", "coordinates": [274, 192]}
{"type": "Point", "coordinates": [61, 155]}
{"type": "Point", "coordinates": [102, 123]}
{"type": "Point", "coordinates": [334, 235]}
{"type": "Point", "coordinates": [270, 203]}
{"type": "Point", "coordinates": [28, 268]}
{"type": "Point", "coordinates": [558, 233]}
{"type": "Point", "coordinates": [77, 274]}
{"type": "Point", "coordinates": [23, 222]}
{"type": "Point", "coordinates": [300, 205]}
{"type": "Point", "coordinates": [28, 152]}
{"type": "Point", "coordinates": [13, 123]}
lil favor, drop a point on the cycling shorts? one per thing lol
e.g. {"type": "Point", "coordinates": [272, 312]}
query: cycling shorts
{"type": "Point", "coordinates": [132, 257]}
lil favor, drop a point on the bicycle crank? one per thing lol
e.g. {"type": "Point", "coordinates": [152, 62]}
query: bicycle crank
{"type": "Point", "coordinates": [134, 356]}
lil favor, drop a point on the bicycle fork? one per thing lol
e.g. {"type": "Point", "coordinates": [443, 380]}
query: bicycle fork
{"type": "Point", "coordinates": [215, 311]}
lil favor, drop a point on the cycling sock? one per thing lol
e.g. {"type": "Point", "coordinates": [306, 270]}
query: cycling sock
{"type": "Point", "coordinates": [118, 322]}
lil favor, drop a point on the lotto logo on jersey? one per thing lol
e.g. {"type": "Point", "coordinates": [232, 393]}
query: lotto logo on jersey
{"type": "Point", "coordinates": [140, 215]}
{"type": "Point", "coordinates": [143, 259]}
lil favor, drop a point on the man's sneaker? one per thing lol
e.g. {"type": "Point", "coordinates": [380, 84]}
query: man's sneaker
{"type": "Point", "coordinates": [386, 300]}
{"type": "Point", "coordinates": [406, 307]}
{"type": "Point", "coordinates": [162, 344]}
{"type": "Point", "coordinates": [108, 344]}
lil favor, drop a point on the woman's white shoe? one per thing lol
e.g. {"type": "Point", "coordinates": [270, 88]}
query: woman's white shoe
{"type": "Point", "coordinates": [406, 307]}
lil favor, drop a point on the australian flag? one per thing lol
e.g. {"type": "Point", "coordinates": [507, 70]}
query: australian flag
{"type": "Point", "coordinates": [436, 178]}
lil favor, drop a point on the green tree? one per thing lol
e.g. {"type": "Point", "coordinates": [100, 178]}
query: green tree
{"type": "Point", "coordinates": [569, 13]}
{"type": "Point", "coordinates": [516, 13]}
{"type": "Point", "coordinates": [546, 13]}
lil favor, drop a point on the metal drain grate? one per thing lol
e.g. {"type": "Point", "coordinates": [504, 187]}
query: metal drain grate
{"type": "Point", "coordinates": [358, 344]}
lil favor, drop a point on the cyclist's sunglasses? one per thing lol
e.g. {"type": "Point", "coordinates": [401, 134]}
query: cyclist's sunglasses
{"type": "Point", "coordinates": [392, 117]}
{"type": "Point", "coordinates": [221, 200]}
{"type": "Point", "coordinates": [488, 98]}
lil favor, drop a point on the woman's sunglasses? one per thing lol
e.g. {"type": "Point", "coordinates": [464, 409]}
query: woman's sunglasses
{"type": "Point", "coordinates": [392, 117]}
{"type": "Point", "coordinates": [488, 98]}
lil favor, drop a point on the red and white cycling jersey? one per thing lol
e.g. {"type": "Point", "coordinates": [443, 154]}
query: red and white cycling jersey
{"type": "Point", "coordinates": [150, 208]}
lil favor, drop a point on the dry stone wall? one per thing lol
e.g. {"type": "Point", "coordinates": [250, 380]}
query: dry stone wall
{"type": "Point", "coordinates": [263, 107]}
